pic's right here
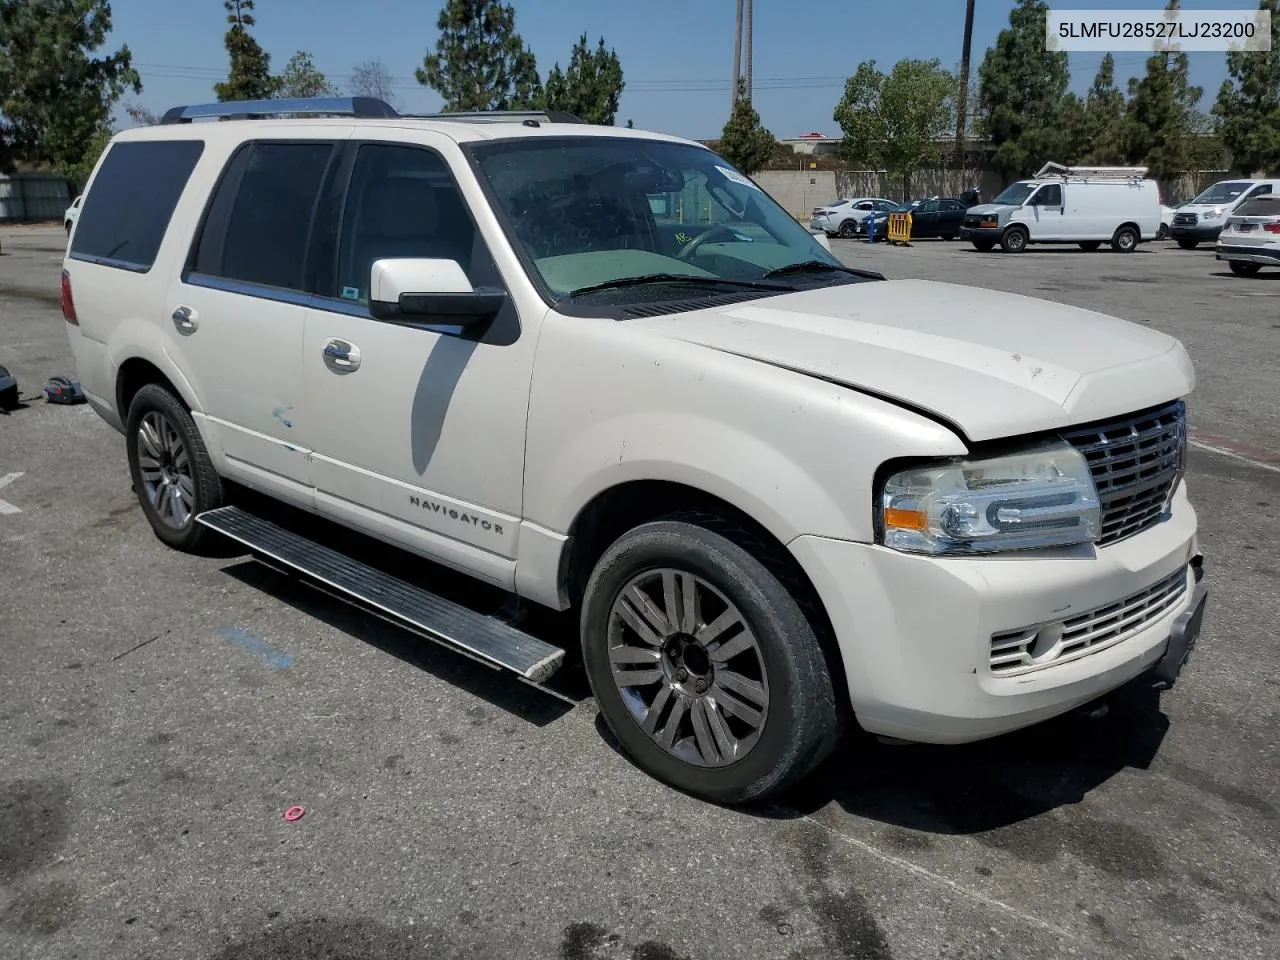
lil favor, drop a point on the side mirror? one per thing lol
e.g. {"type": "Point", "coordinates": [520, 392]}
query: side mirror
{"type": "Point", "coordinates": [420, 292]}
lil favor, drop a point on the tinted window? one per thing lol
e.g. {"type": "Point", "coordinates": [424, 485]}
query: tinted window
{"type": "Point", "coordinates": [126, 214]}
{"type": "Point", "coordinates": [952, 205]}
{"type": "Point", "coordinates": [929, 206]}
{"type": "Point", "coordinates": [261, 216]}
{"type": "Point", "coordinates": [1050, 195]}
{"type": "Point", "coordinates": [402, 202]}
{"type": "Point", "coordinates": [1258, 191]}
{"type": "Point", "coordinates": [1263, 206]}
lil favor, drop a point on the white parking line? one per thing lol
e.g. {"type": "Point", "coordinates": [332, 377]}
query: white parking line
{"type": "Point", "coordinates": [7, 508]}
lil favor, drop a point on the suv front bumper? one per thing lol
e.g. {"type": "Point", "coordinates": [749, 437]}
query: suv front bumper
{"type": "Point", "coordinates": [916, 633]}
{"type": "Point", "coordinates": [1200, 232]}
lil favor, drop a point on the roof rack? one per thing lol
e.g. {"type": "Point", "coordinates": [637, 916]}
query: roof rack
{"type": "Point", "coordinates": [1098, 173]}
{"type": "Point", "coordinates": [364, 107]}
{"type": "Point", "coordinates": [324, 106]}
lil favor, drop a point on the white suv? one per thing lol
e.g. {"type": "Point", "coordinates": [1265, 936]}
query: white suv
{"type": "Point", "coordinates": [781, 495]}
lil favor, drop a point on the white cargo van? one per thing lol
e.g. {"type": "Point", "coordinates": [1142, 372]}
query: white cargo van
{"type": "Point", "coordinates": [1088, 206]}
{"type": "Point", "coordinates": [1200, 220]}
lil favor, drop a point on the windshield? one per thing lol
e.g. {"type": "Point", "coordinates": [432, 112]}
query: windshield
{"type": "Point", "coordinates": [1015, 194]}
{"type": "Point", "coordinates": [1267, 205]}
{"type": "Point", "coordinates": [1222, 192]}
{"type": "Point", "coordinates": [591, 211]}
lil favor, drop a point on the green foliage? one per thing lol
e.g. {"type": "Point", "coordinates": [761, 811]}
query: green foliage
{"type": "Point", "coordinates": [480, 61]}
{"type": "Point", "coordinates": [1164, 124]}
{"type": "Point", "coordinates": [1248, 105]}
{"type": "Point", "coordinates": [1021, 87]}
{"type": "Point", "coordinates": [250, 75]}
{"type": "Point", "coordinates": [78, 173]}
{"type": "Point", "coordinates": [897, 121]}
{"type": "Point", "coordinates": [591, 86]}
{"type": "Point", "coordinates": [743, 142]}
{"type": "Point", "coordinates": [55, 95]}
{"type": "Point", "coordinates": [301, 78]}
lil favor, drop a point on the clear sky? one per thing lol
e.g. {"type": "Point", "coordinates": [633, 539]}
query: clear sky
{"type": "Point", "coordinates": [677, 55]}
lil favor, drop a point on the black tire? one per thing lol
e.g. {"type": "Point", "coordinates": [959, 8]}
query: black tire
{"type": "Point", "coordinates": [803, 720]}
{"type": "Point", "coordinates": [1163, 232]}
{"type": "Point", "coordinates": [948, 237]}
{"type": "Point", "coordinates": [1014, 240]}
{"type": "Point", "coordinates": [1090, 245]}
{"type": "Point", "coordinates": [206, 492]}
{"type": "Point", "coordinates": [1186, 243]}
{"type": "Point", "coordinates": [984, 246]}
{"type": "Point", "coordinates": [68, 226]}
{"type": "Point", "coordinates": [848, 228]}
{"type": "Point", "coordinates": [1125, 239]}
{"type": "Point", "coordinates": [1244, 268]}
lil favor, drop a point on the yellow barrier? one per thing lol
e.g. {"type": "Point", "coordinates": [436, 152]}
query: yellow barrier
{"type": "Point", "coordinates": [900, 228]}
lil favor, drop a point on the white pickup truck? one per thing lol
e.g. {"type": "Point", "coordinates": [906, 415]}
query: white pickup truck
{"type": "Point", "coordinates": [602, 370]}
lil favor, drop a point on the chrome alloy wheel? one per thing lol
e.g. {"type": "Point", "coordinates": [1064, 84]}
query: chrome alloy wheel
{"type": "Point", "coordinates": [165, 466]}
{"type": "Point", "coordinates": [688, 667]}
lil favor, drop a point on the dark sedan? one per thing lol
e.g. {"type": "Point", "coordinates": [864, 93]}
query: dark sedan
{"type": "Point", "coordinates": [935, 217]}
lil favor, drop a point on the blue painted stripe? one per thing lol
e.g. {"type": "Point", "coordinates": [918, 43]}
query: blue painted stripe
{"type": "Point", "coordinates": [268, 654]}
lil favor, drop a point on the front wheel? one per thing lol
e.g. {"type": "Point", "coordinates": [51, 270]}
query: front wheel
{"type": "Point", "coordinates": [703, 664]}
{"type": "Point", "coordinates": [1188, 244]}
{"type": "Point", "coordinates": [1244, 268]}
{"type": "Point", "coordinates": [984, 246]}
{"type": "Point", "coordinates": [1014, 240]}
{"type": "Point", "coordinates": [173, 475]}
{"type": "Point", "coordinates": [1125, 240]}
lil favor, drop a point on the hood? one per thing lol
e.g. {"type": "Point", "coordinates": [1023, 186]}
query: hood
{"type": "Point", "coordinates": [991, 364]}
{"type": "Point", "coordinates": [987, 208]}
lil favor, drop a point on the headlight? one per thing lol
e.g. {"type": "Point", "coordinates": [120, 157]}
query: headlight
{"type": "Point", "coordinates": [1212, 215]}
{"type": "Point", "coordinates": [1043, 497]}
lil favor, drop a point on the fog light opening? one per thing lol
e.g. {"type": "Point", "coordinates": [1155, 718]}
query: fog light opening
{"type": "Point", "coordinates": [1045, 645]}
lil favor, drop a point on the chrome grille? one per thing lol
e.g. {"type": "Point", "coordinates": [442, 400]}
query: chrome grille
{"type": "Point", "coordinates": [1136, 463]}
{"type": "Point", "coordinates": [1016, 652]}
{"type": "Point", "coordinates": [1185, 219]}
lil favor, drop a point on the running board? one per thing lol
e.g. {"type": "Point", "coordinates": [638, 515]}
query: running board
{"type": "Point", "coordinates": [459, 628]}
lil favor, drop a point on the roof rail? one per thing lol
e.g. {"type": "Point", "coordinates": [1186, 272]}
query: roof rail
{"type": "Point", "coordinates": [499, 116]}
{"type": "Point", "coordinates": [369, 107]}
{"type": "Point", "coordinates": [1100, 173]}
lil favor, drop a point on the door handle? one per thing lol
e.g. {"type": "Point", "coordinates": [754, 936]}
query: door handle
{"type": "Point", "coordinates": [185, 319]}
{"type": "Point", "coordinates": [341, 356]}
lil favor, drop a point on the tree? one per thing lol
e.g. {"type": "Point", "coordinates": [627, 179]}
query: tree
{"type": "Point", "coordinates": [373, 79]}
{"type": "Point", "coordinates": [301, 78]}
{"type": "Point", "coordinates": [1248, 105]}
{"type": "Point", "coordinates": [1021, 87]}
{"type": "Point", "coordinates": [480, 61]}
{"type": "Point", "coordinates": [590, 88]}
{"type": "Point", "coordinates": [250, 75]}
{"type": "Point", "coordinates": [56, 96]}
{"type": "Point", "coordinates": [140, 115]}
{"type": "Point", "coordinates": [78, 173]}
{"type": "Point", "coordinates": [743, 142]}
{"type": "Point", "coordinates": [898, 121]}
{"type": "Point", "coordinates": [1105, 134]}
{"type": "Point", "coordinates": [1164, 122]}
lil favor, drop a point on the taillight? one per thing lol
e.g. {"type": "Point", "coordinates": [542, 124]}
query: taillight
{"type": "Point", "coordinates": [68, 302]}
{"type": "Point", "coordinates": [1271, 227]}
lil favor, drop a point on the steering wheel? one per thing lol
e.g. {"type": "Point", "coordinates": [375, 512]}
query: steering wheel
{"type": "Point", "coordinates": [692, 247]}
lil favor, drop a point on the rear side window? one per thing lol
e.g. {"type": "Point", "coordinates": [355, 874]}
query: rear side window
{"type": "Point", "coordinates": [127, 211]}
{"type": "Point", "coordinates": [260, 219]}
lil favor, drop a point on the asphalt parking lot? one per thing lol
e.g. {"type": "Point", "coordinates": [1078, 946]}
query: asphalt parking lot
{"type": "Point", "coordinates": [159, 712]}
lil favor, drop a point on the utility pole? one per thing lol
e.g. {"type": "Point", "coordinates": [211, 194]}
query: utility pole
{"type": "Point", "coordinates": [962, 101]}
{"type": "Point", "coordinates": [750, 30]}
{"type": "Point", "coordinates": [737, 57]}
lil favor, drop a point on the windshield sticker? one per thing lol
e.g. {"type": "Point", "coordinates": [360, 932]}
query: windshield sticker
{"type": "Point", "coordinates": [351, 293]}
{"type": "Point", "coordinates": [733, 176]}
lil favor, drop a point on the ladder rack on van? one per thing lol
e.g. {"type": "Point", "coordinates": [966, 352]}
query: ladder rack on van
{"type": "Point", "coordinates": [360, 107]}
{"type": "Point", "coordinates": [1092, 173]}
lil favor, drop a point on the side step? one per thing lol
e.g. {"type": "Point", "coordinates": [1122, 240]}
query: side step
{"type": "Point", "coordinates": [482, 637]}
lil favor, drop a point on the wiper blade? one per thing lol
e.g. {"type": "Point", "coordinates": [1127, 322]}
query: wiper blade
{"type": "Point", "coordinates": [813, 266]}
{"type": "Point", "coordinates": [677, 278]}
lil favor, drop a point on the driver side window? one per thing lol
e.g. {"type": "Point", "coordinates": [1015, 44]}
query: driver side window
{"type": "Point", "coordinates": [1050, 195]}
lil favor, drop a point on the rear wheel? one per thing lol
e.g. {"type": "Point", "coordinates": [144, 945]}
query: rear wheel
{"type": "Point", "coordinates": [1014, 240]}
{"type": "Point", "coordinates": [1244, 268]}
{"type": "Point", "coordinates": [173, 475]}
{"type": "Point", "coordinates": [1090, 245]}
{"type": "Point", "coordinates": [1186, 243]}
{"type": "Point", "coordinates": [1125, 240]}
{"type": "Point", "coordinates": [704, 665]}
{"type": "Point", "coordinates": [848, 228]}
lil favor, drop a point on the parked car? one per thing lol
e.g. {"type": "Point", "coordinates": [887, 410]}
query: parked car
{"type": "Point", "coordinates": [842, 217]}
{"type": "Point", "coordinates": [934, 217]}
{"type": "Point", "coordinates": [1250, 238]}
{"type": "Point", "coordinates": [1088, 206]}
{"type": "Point", "coordinates": [1200, 220]}
{"type": "Point", "coordinates": [71, 214]}
{"type": "Point", "coordinates": [780, 495]}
